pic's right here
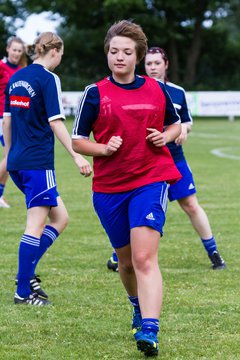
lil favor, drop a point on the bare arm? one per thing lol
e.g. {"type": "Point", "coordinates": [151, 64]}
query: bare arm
{"type": "Point", "coordinates": [87, 147]}
{"type": "Point", "coordinates": [160, 139]}
{"type": "Point", "coordinates": [63, 136]}
{"type": "Point", "coordinates": [7, 131]}
{"type": "Point", "coordinates": [185, 129]}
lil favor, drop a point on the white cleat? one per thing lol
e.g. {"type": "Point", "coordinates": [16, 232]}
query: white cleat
{"type": "Point", "coordinates": [3, 203]}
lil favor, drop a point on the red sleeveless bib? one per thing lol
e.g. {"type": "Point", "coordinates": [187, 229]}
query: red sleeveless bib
{"type": "Point", "coordinates": [128, 113]}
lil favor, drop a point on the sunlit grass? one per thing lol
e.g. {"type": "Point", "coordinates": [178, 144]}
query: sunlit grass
{"type": "Point", "coordinates": [90, 316]}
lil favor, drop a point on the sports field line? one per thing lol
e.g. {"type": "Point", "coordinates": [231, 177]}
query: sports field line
{"type": "Point", "coordinates": [220, 152]}
{"type": "Point", "coordinates": [214, 136]}
{"type": "Point", "coordinates": [223, 151]}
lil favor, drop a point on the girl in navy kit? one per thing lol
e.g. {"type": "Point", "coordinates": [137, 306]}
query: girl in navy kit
{"type": "Point", "coordinates": [127, 114]}
{"type": "Point", "coordinates": [33, 115]}
{"type": "Point", "coordinates": [184, 191]}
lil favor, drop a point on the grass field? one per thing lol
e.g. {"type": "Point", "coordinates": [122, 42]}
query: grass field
{"type": "Point", "coordinates": [91, 316]}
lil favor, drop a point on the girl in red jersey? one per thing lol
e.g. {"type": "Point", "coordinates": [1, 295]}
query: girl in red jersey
{"type": "Point", "coordinates": [127, 115]}
{"type": "Point", "coordinates": [8, 67]}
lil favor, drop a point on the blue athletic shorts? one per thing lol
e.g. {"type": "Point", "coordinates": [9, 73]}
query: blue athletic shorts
{"type": "Point", "coordinates": [2, 140]}
{"type": "Point", "coordinates": [120, 212]}
{"type": "Point", "coordinates": [1, 133]}
{"type": "Point", "coordinates": [39, 186]}
{"type": "Point", "coordinates": [185, 186]}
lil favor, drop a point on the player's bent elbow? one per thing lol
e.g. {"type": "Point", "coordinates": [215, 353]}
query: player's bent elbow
{"type": "Point", "coordinates": [178, 130]}
{"type": "Point", "coordinates": [76, 146]}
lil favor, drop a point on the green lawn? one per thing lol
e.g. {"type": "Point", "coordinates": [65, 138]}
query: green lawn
{"type": "Point", "coordinates": [91, 316]}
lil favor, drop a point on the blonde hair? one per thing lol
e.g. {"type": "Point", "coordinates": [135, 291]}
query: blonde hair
{"type": "Point", "coordinates": [131, 30]}
{"type": "Point", "coordinates": [13, 39]}
{"type": "Point", "coordinates": [43, 43]}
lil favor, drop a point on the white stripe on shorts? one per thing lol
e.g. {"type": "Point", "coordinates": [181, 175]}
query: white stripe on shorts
{"type": "Point", "coordinates": [50, 179]}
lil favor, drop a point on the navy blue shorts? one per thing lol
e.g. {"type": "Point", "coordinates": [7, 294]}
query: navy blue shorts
{"type": "Point", "coordinates": [120, 212]}
{"type": "Point", "coordinates": [39, 186]}
{"type": "Point", "coordinates": [185, 186]}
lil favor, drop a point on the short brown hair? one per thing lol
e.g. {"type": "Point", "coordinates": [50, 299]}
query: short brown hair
{"type": "Point", "coordinates": [131, 30]}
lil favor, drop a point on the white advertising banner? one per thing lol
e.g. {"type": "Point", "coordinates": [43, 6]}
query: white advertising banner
{"type": "Point", "coordinates": [70, 101]}
{"type": "Point", "coordinates": [200, 103]}
{"type": "Point", "coordinates": [214, 103]}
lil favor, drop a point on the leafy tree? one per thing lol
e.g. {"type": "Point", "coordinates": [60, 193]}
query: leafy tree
{"type": "Point", "coordinates": [201, 37]}
{"type": "Point", "coordinates": [8, 12]}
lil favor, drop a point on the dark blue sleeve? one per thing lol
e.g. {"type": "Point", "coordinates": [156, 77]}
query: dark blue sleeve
{"type": "Point", "coordinates": [51, 90]}
{"type": "Point", "coordinates": [184, 112]}
{"type": "Point", "coordinates": [87, 112]}
{"type": "Point", "coordinates": [171, 116]}
{"type": "Point", "coordinates": [7, 100]}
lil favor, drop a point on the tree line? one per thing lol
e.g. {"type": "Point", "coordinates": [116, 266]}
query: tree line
{"type": "Point", "coordinates": [201, 37]}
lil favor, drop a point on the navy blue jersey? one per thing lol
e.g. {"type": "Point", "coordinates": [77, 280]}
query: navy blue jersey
{"type": "Point", "coordinates": [88, 108]}
{"type": "Point", "coordinates": [178, 97]}
{"type": "Point", "coordinates": [33, 99]}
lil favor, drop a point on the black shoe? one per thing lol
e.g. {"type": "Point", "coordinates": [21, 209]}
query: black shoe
{"type": "Point", "coordinates": [217, 261]}
{"type": "Point", "coordinates": [112, 265]}
{"type": "Point", "coordinates": [35, 287]}
{"type": "Point", "coordinates": [32, 299]}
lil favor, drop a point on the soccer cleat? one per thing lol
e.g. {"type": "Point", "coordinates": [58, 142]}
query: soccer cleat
{"type": "Point", "coordinates": [147, 343]}
{"type": "Point", "coordinates": [217, 261]}
{"type": "Point", "coordinates": [136, 323]}
{"type": "Point", "coordinates": [35, 287]}
{"type": "Point", "coordinates": [112, 264]}
{"type": "Point", "coordinates": [3, 203]}
{"type": "Point", "coordinates": [32, 299]}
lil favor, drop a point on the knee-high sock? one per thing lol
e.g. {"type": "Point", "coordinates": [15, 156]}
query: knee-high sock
{"type": "Point", "coordinates": [48, 237]}
{"type": "Point", "coordinates": [28, 250]}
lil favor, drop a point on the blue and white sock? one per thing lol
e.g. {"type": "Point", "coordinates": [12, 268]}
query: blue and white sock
{"type": "Point", "coordinates": [209, 245]}
{"type": "Point", "coordinates": [48, 237]}
{"type": "Point", "coordinates": [28, 250]}
{"type": "Point", "coordinates": [2, 187]}
{"type": "Point", "coordinates": [150, 325]}
{"type": "Point", "coordinates": [135, 303]}
{"type": "Point", "coordinates": [114, 256]}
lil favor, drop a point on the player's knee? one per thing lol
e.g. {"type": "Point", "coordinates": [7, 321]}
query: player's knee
{"type": "Point", "coordinates": [191, 206]}
{"type": "Point", "coordinates": [142, 261]}
{"type": "Point", "coordinates": [127, 267]}
{"type": "Point", "coordinates": [65, 220]}
{"type": "Point", "coordinates": [61, 222]}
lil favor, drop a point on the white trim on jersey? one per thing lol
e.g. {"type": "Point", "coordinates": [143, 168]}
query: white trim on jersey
{"type": "Point", "coordinates": [7, 114]}
{"type": "Point", "coordinates": [178, 106]}
{"type": "Point", "coordinates": [55, 117]}
{"type": "Point", "coordinates": [79, 109]}
{"type": "Point", "coordinates": [80, 137]}
{"type": "Point", "coordinates": [59, 92]}
{"type": "Point", "coordinates": [175, 86]}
